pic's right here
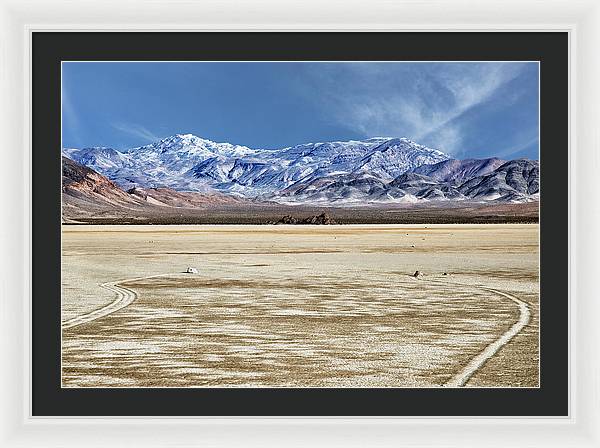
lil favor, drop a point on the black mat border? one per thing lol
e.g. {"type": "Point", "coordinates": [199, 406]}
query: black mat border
{"type": "Point", "coordinates": [50, 48]}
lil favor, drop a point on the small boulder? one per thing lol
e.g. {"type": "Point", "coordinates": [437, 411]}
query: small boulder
{"type": "Point", "coordinates": [417, 274]}
{"type": "Point", "coordinates": [191, 270]}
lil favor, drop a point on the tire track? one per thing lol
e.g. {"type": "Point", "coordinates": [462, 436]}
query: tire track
{"type": "Point", "coordinates": [462, 377]}
{"type": "Point", "coordinates": [125, 297]}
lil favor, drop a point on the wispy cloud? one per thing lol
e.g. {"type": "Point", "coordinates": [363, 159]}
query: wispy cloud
{"type": "Point", "coordinates": [136, 130]}
{"type": "Point", "coordinates": [519, 147]}
{"type": "Point", "coordinates": [425, 102]}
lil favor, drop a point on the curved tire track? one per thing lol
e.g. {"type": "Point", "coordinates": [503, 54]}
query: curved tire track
{"type": "Point", "coordinates": [125, 297]}
{"type": "Point", "coordinates": [461, 378]}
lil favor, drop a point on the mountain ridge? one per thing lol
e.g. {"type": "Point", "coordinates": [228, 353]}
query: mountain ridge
{"type": "Point", "coordinates": [337, 172]}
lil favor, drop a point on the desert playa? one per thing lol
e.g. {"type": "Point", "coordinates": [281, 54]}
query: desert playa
{"type": "Point", "coordinates": [300, 306]}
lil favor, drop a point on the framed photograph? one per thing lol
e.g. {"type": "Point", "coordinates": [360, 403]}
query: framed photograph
{"type": "Point", "coordinates": [350, 226]}
{"type": "Point", "coordinates": [344, 233]}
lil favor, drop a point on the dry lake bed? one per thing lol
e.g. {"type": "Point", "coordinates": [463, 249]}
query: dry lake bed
{"type": "Point", "coordinates": [300, 306]}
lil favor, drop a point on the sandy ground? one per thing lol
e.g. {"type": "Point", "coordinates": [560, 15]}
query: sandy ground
{"type": "Point", "coordinates": [299, 306]}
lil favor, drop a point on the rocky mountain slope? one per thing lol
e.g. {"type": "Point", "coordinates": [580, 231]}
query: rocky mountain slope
{"type": "Point", "coordinates": [80, 183]}
{"type": "Point", "coordinates": [458, 171]}
{"type": "Point", "coordinates": [87, 193]}
{"type": "Point", "coordinates": [513, 181]}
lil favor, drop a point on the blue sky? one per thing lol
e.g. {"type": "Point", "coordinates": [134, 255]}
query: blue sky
{"type": "Point", "coordinates": [464, 109]}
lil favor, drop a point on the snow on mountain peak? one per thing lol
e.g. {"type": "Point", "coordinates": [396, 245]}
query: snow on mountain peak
{"type": "Point", "coordinates": [191, 145]}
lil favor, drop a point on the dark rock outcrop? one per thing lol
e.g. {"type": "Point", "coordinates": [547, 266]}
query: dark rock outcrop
{"type": "Point", "coordinates": [322, 219]}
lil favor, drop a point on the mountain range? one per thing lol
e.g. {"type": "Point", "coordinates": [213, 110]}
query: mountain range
{"type": "Point", "coordinates": [372, 171]}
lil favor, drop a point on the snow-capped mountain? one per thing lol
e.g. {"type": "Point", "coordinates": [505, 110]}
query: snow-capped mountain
{"type": "Point", "coordinates": [397, 156]}
{"type": "Point", "coordinates": [187, 162]}
{"type": "Point", "coordinates": [376, 170]}
{"type": "Point", "coordinates": [99, 158]}
{"type": "Point", "coordinates": [166, 163]}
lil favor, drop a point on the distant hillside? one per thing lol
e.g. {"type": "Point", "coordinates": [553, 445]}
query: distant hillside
{"type": "Point", "coordinates": [86, 193]}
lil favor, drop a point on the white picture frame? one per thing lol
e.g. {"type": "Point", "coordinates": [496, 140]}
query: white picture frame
{"type": "Point", "coordinates": [18, 19]}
